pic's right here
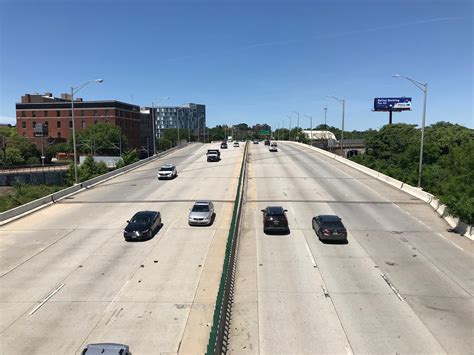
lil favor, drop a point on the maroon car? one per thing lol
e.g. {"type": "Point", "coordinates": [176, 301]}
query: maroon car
{"type": "Point", "coordinates": [274, 220]}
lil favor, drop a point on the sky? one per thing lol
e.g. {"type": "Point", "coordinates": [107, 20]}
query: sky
{"type": "Point", "coordinates": [248, 61]}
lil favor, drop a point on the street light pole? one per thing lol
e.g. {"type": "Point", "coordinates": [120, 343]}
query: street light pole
{"type": "Point", "coordinates": [311, 123]}
{"type": "Point", "coordinates": [325, 114]}
{"type": "Point", "coordinates": [424, 88]}
{"type": "Point", "coordinates": [343, 102]}
{"type": "Point", "coordinates": [75, 89]}
{"type": "Point", "coordinates": [289, 128]}
{"type": "Point", "coordinates": [297, 123]}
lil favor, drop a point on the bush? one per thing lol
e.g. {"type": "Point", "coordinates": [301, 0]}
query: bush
{"type": "Point", "coordinates": [87, 170]}
{"type": "Point", "coordinates": [26, 193]}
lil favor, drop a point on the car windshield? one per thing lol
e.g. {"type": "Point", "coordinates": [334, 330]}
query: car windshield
{"type": "Point", "coordinates": [200, 208]}
{"type": "Point", "coordinates": [166, 169]}
{"type": "Point", "coordinates": [141, 219]}
{"type": "Point", "coordinates": [275, 211]}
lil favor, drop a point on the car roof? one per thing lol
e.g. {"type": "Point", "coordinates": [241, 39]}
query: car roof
{"type": "Point", "coordinates": [202, 202]}
{"type": "Point", "coordinates": [167, 166]}
{"type": "Point", "coordinates": [329, 218]}
{"type": "Point", "coordinates": [145, 213]}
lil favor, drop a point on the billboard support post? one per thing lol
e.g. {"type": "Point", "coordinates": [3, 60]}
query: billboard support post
{"type": "Point", "coordinates": [390, 117]}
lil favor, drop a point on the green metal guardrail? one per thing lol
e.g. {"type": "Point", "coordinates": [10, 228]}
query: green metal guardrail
{"type": "Point", "coordinates": [218, 336]}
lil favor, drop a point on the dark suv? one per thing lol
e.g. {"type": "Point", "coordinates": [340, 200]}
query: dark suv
{"type": "Point", "coordinates": [274, 220]}
{"type": "Point", "coordinates": [329, 227]}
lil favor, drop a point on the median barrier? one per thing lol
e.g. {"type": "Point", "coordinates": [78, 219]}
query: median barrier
{"type": "Point", "coordinates": [27, 208]}
{"type": "Point", "coordinates": [457, 225]}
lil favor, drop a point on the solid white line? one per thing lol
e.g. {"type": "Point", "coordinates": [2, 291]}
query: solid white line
{"type": "Point", "coordinates": [392, 287]}
{"type": "Point", "coordinates": [309, 252]}
{"type": "Point", "coordinates": [457, 246]}
{"type": "Point", "coordinates": [46, 299]}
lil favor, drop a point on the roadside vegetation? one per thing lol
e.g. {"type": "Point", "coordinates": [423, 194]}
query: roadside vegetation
{"type": "Point", "coordinates": [448, 161]}
{"type": "Point", "coordinates": [21, 194]}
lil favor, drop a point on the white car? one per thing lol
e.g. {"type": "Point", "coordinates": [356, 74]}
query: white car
{"type": "Point", "coordinates": [273, 147]}
{"type": "Point", "coordinates": [236, 144]}
{"type": "Point", "coordinates": [167, 171]}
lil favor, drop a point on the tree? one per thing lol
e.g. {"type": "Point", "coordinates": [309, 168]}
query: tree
{"type": "Point", "coordinates": [101, 139]}
{"type": "Point", "coordinates": [127, 158]}
{"type": "Point", "coordinates": [87, 170]}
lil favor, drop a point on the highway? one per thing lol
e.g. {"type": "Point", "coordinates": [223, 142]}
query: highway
{"type": "Point", "coordinates": [68, 278]}
{"type": "Point", "coordinates": [403, 283]}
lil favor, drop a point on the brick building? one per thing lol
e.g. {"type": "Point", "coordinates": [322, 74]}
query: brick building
{"type": "Point", "coordinates": [56, 115]}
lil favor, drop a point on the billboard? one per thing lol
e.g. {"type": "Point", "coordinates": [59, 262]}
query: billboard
{"type": "Point", "coordinates": [392, 104]}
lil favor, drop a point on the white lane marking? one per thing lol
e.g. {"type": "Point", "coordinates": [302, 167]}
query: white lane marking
{"type": "Point", "coordinates": [457, 246]}
{"type": "Point", "coordinates": [310, 254]}
{"type": "Point", "coordinates": [51, 294]}
{"type": "Point", "coordinates": [392, 286]}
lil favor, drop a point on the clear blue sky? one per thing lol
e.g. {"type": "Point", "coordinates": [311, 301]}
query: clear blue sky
{"type": "Point", "coordinates": [248, 61]}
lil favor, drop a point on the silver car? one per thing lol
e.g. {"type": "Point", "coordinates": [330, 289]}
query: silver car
{"type": "Point", "coordinates": [202, 214]}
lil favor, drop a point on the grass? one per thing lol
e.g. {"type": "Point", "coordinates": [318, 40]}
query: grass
{"type": "Point", "coordinates": [22, 194]}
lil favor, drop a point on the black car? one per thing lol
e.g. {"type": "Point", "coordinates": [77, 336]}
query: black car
{"type": "Point", "coordinates": [274, 220]}
{"type": "Point", "coordinates": [267, 142]}
{"type": "Point", "coordinates": [224, 145]}
{"type": "Point", "coordinates": [329, 227]}
{"type": "Point", "coordinates": [143, 225]}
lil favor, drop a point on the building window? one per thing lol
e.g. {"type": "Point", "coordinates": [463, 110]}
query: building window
{"type": "Point", "coordinates": [34, 124]}
{"type": "Point", "coordinates": [23, 114]}
{"type": "Point", "coordinates": [58, 124]}
{"type": "Point", "coordinates": [95, 122]}
{"type": "Point", "coordinates": [95, 112]}
{"type": "Point", "coordinates": [45, 113]}
{"type": "Point", "coordinates": [82, 113]}
{"type": "Point", "coordinates": [24, 134]}
{"type": "Point", "coordinates": [59, 134]}
{"type": "Point", "coordinates": [106, 112]}
{"type": "Point", "coordinates": [33, 113]}
{"type": "Point", "coordinates": [23, 124]}
{"type": "Point", "coordinates": [83, 124]}
{"type": "Point", "coordinates": [70, 113]}
{"type": "Point", "coordinates": [70, 123]}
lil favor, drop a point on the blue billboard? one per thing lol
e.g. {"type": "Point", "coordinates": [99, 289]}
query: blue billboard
{"type": "Point", "coordinates": [392, 104]}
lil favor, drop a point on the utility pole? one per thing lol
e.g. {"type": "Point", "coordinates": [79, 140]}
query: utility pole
{"type": "Point", "coordinates": [325, 114]}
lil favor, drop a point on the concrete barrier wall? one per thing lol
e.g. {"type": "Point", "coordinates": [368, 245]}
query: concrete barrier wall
{"type": "Point", "coordinates": [459, 226]}
{"type": "Point", "coordinates": [20, 211]}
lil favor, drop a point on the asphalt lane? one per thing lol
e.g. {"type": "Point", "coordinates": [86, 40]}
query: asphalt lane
{"type": "Point", "coordinates": [156, 296]}
{"type": "Point", "coordinates": [402, 284]}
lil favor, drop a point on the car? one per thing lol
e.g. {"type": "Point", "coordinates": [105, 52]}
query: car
{"type": "Point", "coordinates": [224, 145]}
{"type": "Point", "coordinates": [275, 220]}
{"type": "Point", "coordinates": [106, 349]}
{"type": "Point", "coordinates": [167, 171]}
{"type": "Point", "coordinates": [213, 155]}
{"type": "Point", "coordinates": [236, 144]}
{"type": "Point", "coordinates": [329, 227]}
{"type": "Point", "coordinates": [255, 141]}
{"type": "Point", "coordinates": [273, 147]}
{"type": "Point", "coordinates": [201, 214]}
{"type": "Point", "coordinates": [267, 142]}
{"type": "Point", "coordinates": [143, 225]}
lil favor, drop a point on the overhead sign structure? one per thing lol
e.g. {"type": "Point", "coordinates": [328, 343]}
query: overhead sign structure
{"type": "Point", "coordinates": [264, 132]}
{"type": "Point", "coordinates": [396, 104]}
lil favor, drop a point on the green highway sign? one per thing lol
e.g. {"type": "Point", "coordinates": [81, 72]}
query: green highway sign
{"type": "Point", "coordinates": [264, 132]}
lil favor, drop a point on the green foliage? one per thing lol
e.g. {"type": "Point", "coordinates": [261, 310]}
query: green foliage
{"type": "Point", "coordinates": [163, 144]}
{"type": "Point", "coordinates": [448, 161]}
{"type": "Point", "coordinates": [19, 150]}
{"type": "Point", "coordinates": [22, 194]}
{"type": "Point", "coordinates": [87, 170]}
{"type": "Point", "coordinates": [100, 139]}
{"type": "Point", "coordinates": [127, 158]}
{"type": "Point", "coordinates": [8, 132]}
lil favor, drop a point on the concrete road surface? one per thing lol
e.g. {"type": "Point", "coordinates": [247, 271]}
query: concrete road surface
{"type": "Point", "coordinates": [68, 278]}
{"type": "Point", "coordinates": [402, 284]}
